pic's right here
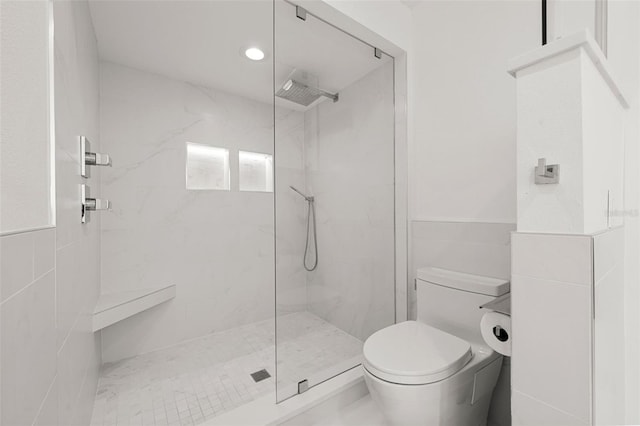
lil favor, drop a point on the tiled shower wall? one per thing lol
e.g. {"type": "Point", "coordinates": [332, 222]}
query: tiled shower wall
{"type": "Point", "coordinates": [50, 357]}
{"type": "Point", "coordinates": [349, 168]}
{"type": "Point", "coordinates": [28, 328]}
{"type": "Point", "coordinates": [216, 246]}
{"type": "Point", "coordinates": [77, 245]}
{"type": "Point", "coordinates": [49, 278]}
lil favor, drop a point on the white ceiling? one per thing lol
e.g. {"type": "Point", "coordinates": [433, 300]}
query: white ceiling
{"type": "Point", "coordinates": [202, 42]}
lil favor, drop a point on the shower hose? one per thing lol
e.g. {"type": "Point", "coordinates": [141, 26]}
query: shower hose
{"type": "Point", "coordinates": [311, 215]}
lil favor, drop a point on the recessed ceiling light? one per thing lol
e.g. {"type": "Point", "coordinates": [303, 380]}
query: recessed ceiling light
{"type": "Point", "coordinates": [254, 54]}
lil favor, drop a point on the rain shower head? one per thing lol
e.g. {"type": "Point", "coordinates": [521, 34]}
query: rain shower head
{"type": "Point", "coordinates": [302, 94]}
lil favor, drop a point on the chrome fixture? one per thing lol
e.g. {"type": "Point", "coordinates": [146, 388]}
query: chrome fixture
{"type": "Point", "coordinates": [302, 94]}
{"type": "Point", "coordinates": [303, 386]}
{"type": "Point", "coordinates": [545, 174]}
{"type": "Point", "coordinates": [311, 233]}
{"type": "Point", "coordinates": [88, 158]}
{"type": "Point", "coordinates": [303, 195]}
{"type": "Point", "coordinates": [88, 204]}
{"type": "Point", "coordinates": [301, 13]}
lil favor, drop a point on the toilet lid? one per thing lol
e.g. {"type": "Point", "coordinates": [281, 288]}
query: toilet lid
{"type": "Point", "coordinates": [414, 353]}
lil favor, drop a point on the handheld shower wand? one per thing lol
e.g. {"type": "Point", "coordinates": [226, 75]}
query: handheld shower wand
{"type": "Point", "coordinates": [311, 211]}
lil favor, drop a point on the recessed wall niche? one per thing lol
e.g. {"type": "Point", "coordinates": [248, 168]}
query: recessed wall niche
{"type": "Point", "coordinates": [207, 167]}
{"type": "Point", "coordinates": [255, 171]}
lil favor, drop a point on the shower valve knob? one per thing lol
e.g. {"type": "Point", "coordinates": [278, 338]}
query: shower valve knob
{"type": "Point", "coordinates": [97, 159]}
{"type": "Point", "coordinates": [88, 158]}
{"type": "Point", "coordinates": [88, 204]}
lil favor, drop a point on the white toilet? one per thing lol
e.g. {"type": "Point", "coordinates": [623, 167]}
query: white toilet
{"type": "Point", "coordinates": [437, 370]}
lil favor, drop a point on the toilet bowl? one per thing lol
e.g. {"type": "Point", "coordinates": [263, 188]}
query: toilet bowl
{"type": "Point", "coordinates": [436, 370]}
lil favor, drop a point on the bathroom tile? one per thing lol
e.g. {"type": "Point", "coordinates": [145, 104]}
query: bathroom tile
{"type": "Point", "coordinates": [474, 248]}
{"type": "Point", "coordinates": [608, 347]}
{"type": "Point", "coordinates": [28, 350]}
{"type": "Point", "coordinates": [199, 240]}
{"type": "Point", "coordinates": [16, 268]}
{"type": "Point", "coordinates": [349, 141]}
{"type": "Point", "coordinates": [68, 291]}
{"type": "Point", "coordinates": [527, 411]}
{"type": "Point", "coordinates": [48, 415]}
{"type": "Point", "coordinates": [44, 243]}
{"type": "Point", "coordinates": [200, 379]}
{"type": "Point", "coordinates": [564, 258]}
{"type": "Point", "coordinates": [608, 251]}
{"type": "Point", "coordinates": [79, 349]}
{"type": "Point", "coordinates": [465, 232]}
{"type": "Point", "coordinates": [539, 337]}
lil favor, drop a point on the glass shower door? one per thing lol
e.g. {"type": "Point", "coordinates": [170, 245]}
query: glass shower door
{"type": "Point", "coordinates": [334, 198]}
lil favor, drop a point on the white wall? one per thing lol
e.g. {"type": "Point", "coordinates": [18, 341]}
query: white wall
{"type": "Point", "coordinates": [215, 246]}
{"type": "Point", "coordinates": [28, 328]}
{"type": "Point", "coordinates": [462, 160]}
{"type": "Point", "coordinates": [545, 391]}
{"type": "Point", "coordinates": [372, 22]}
{"type": "Point", "coordinates": [375, 16]}
{"type": "Point", "coordinates": [349, 166]}
{"type": "Point", "coordinates": [608, 338]}
{"type": "Point", "coordinates": [25, 146]}
{"type": "Point", "coordinates": [623, 54]}
{"type": "Point", "coordinates": [465, 127]}
{"type": "Point", "coordinates": [566, 110]}
{"type": "Point", "coordinates": [49, 278]}
{"type": "Point", "coordinates": [624, 58]}
{"type": "Point", "coordinates": [77, 245]}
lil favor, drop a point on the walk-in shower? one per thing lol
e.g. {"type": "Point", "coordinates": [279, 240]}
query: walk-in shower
{"type": "Point", "coordinates": [214, 153]}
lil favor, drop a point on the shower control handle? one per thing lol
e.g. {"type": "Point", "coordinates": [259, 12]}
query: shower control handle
{"type": "Point", "coordinates": [88, 158]}
{"type": "Point", "coordinates": [97, 159]}
{"type": "Point", "coordinates": [88, 204]}
{"type": "Point", "coordinates": [93, 204]}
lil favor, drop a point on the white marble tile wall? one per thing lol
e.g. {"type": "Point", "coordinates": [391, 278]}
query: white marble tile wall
{"type": "Point", "coordinates": [567, 104]}
{"type": "Point", "coordinates": [609, 331]}
{"type": "Point", "coordinates": [27, 325]}
{"type": "Point", "coordinates": [50, 278]}
{"type": "Point", "coordinates": [349, 154]}
{"type": "Point", "coordinates": [291, 216]}
{"type": "Point", "coordinates": [551, 305]}
{"type": "Point", "coordinates": [25, 154]}
{"type": "Point", "coordinates": [77, 245]}
{"type": "Point", "coordinates": [215, 246]}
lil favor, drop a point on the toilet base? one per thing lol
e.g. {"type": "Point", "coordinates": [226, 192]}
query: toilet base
{"type": "Point", "coordinates": [449, 402]}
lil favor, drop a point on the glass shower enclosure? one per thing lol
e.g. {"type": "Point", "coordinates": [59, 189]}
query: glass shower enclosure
{"type": "Point", "coordinates": [334, 197]}
{"type": "Point", "coordinates": [253, 172]}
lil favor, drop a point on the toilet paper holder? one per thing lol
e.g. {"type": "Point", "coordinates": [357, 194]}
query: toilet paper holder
{"type": "Point", "coordinates": [500, 333]}
{"type": "Point", "coordinates": [500, 304]}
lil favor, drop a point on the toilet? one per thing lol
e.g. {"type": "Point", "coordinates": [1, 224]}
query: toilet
{"type": "Point", "coordinates": [437, 370]}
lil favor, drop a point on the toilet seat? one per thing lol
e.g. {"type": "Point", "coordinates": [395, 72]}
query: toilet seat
{"type": "Point", "coordinates": [414, 353]}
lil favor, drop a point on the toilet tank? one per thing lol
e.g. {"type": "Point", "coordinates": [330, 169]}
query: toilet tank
{"type": "Point", "coordinates": [451, 300]}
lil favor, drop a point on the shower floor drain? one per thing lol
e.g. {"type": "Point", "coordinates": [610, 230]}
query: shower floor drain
{"type": "Point", "coordinates": [261, 375]}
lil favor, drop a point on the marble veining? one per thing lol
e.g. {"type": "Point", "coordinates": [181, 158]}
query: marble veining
{"type": "Point", "coordinates": [215, 246]}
